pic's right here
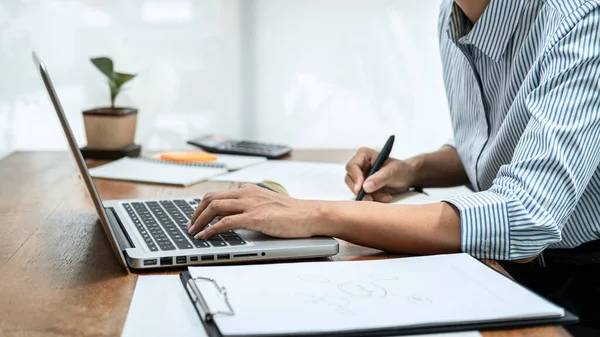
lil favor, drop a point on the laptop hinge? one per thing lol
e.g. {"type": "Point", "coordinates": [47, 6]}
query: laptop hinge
{"type": "Point", "coordinates": [123, 239]}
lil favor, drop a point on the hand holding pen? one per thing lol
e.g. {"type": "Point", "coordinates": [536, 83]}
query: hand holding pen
{"type": "Point", "coordinates": [378, 176]}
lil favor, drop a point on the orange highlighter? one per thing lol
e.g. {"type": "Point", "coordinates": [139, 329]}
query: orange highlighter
{"type": "Point", "coordinates": [188, 157]}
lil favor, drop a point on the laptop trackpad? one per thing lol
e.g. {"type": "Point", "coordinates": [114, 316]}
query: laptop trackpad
{"type": "Point", "coordinates": [254, 236]}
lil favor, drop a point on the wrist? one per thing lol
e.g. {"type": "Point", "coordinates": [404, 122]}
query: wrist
{"type": "Point", "coordinates": [325, 219]}
{"type": "Point", "coordinates": [415, 167]}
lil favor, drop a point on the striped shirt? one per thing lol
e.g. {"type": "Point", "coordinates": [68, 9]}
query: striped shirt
{"type": "Point", "coordinates": [523, 88]}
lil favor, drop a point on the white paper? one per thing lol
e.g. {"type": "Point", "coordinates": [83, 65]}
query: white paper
{"type": "Point", "coordinates": [302, 180]}
{"type": "Point", "coordinates": [318, 297]}
{"type": "Point", "coordinates": [447, 192]}
{"type": "Point", "coordinates": [161, 307]}
{"type": "Point", "coordinates": [236, 162]}
{"type": "Point", "coordinates": [431, 195]}
{"type": "Point", "coordinates": [142, 170]}
{"type": "Point", "coordinates": [412, 197]}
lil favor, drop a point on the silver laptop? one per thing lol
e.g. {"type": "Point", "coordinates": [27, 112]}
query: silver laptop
{"type": "Point", "coordinates": [151, 233]}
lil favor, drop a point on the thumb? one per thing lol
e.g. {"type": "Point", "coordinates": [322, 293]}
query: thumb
{"type": "Point", "coordinates": [378, 180]}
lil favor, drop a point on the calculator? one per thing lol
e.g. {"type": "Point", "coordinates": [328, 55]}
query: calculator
{"type": "Point", "coordinates": [220, 144]}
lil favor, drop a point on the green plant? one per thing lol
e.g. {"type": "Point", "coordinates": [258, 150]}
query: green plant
{"type": "Point", "coordinates": [115, 79]}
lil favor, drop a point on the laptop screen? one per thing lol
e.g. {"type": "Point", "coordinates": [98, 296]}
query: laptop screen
{"type": "Point", "coordinates": [74, 148]}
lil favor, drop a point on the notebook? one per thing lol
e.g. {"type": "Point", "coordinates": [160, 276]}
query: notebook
{"type": "Point", "coordinates": [233, 162]}
{"type": "Point", "coordinates": [160, 307]}
{"type": "Point", "coordinates": [148, 170]}
{"type": "Point", "coordinates": [324, 181]}
{"type": "Point", "coordinates": [439, 293]}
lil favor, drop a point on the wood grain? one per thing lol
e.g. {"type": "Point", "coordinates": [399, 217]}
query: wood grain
{"type": "Point", "coordinates": [58, 276]}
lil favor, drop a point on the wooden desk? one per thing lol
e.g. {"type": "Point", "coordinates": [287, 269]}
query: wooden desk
{"type": "Point", "coordinates": [58, 275]}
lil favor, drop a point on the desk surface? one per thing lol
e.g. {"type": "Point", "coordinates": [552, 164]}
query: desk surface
{"type": "Point", "coordinates": [58, 275]}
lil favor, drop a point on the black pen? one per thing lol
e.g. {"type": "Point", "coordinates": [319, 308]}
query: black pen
{"type": "Point", "coordinates": [381, 158]}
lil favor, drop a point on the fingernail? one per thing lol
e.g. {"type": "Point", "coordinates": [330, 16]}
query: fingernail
{"type": "Point", "coordinates": [357, 187]}
{"type": "Point", "coordinates": [200, 235]}
{"type": "Point", "coordinates": [387, 198]}
{"type": "Point", "coordinates": [189, 223]}
{"type": "Point", "coordinates": [369, 187]}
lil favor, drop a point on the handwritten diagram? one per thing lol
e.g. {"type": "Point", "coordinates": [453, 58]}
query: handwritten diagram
{"type": "Point", "coordinates": [363, 289]}
{"type": "Point", "coordinates": [339, 304]}
{"type": "Point", "coordinates": [343, 294]}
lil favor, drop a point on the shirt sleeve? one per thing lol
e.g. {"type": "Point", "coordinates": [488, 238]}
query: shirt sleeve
{"type": "Point", "coordinates": [534, 195]}
{"type": "Point", "coordinates": [449, 142]}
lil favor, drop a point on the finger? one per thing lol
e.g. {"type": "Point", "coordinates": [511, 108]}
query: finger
{"type": "Point", "coordinates": [368, 197]}
{"type": "Point", "coordinates": [357, 166]}
{"type": "Point", "coordinates": [355, 174]}
{"type": "Point", "coordinates": [350, 183]}
{"type": "Point", "coordinates": [247, 186]}
{"type": "Point", "coordinates": [382, 197]}
{"type": "Point", "coordinates": [215, 209]}
{"type": "Point", "coordinates": [379, 179]}
{"type": "Point", "coordinates": [208, 197]}
{"type": "Point", "coordinates": [226, 223]}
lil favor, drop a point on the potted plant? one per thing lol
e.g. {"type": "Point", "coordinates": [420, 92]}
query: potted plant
{"type": "Point", "coordinates": [110, 128]}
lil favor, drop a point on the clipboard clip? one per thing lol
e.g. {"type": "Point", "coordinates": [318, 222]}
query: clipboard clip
{"type": "Point", "coordinates": [200, 302]}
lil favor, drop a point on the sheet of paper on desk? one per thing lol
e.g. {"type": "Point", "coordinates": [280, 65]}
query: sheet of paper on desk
{"type": "Point", "coordinates": [236, 162]}
{"type": "Point", "coordinates": [447, 192]}
{"type": "Point", "coordinates": [160, 307]}
{"type": "Point", "coordinates": [431, 195]}
{"type": "Point", "coordinates": [363, 295]}
{"type": "Point", "coordinates": [147, 171]}
{"type": "Point", "coordinates": [302, 180]}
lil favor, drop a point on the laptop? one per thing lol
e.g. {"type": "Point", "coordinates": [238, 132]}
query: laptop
{"type": "Point", "coordinates": [151, 233]}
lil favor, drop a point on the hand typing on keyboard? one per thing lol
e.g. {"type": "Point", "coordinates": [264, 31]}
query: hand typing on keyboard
{"type": "Point", "coordinates": [255, 208]}
{"type": "Point", "coordinates": [162, 226]}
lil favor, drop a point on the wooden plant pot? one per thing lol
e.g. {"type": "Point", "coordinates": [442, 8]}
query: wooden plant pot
{"type": "Point", "coordinates": [109, 128]}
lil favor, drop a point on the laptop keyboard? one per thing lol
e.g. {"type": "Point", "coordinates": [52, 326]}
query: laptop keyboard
{"type": "Point", "coordinates": [162, 225]}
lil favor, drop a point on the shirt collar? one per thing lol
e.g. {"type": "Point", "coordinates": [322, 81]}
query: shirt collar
{"type": "Point", "coordinates": [492, 32]}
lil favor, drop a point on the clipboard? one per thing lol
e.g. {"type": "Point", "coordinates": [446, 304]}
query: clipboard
{"type": "Point", "coordinates": [206, 317]}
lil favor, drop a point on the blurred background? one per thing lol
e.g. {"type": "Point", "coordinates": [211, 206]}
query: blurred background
{"type": "Point", "coordinates": [308, 73]}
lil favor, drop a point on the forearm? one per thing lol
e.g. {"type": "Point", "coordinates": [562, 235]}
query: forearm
{"type": "Point", "coordinates": [441, 168]}
{"type": "Point", "coordinates": [413, 229]}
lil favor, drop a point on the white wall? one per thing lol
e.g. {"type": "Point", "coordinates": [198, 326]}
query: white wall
{"type": "Point", "coordinates": [311, 73]}
{"type": "Point", "coordinates": [346, 73]}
